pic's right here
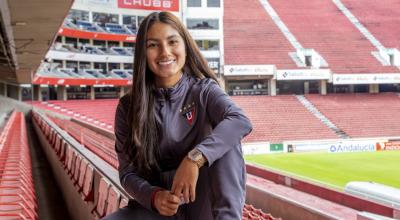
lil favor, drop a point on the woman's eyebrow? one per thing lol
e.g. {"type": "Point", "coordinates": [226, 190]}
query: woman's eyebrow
{"type": "Point", "coordinates": [173, 36]}
{"type": "Point", "coordinates": [168, 38]}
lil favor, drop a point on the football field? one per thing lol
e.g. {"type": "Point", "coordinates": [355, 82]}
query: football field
{"type": "Point", "coordinates": [335, 170]}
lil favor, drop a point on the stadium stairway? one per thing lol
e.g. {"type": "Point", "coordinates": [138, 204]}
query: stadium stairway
{"type": "Point", "coordinates": [361, 115]}
{"type": "Point", "coordinates": [371, 15]}
{"type": "Point", "coordinates": [311, 108]}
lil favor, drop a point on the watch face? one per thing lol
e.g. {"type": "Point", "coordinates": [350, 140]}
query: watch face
{"type": "Point", "coordinates": [195, 155]}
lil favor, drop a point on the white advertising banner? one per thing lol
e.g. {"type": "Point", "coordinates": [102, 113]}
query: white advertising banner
{"type": "Point", "coordinates": [59, 55]}
{"type": "Point", "coordinates": [306, 74]}
{"type": "Point", "coordinates": [256, 148]}
{"type": "Point", "coordinates": [249, 70]}
{"type": "Point", "coordinates": [310, 147]}
{"type": "Point", "coordinates": [381, 78]}
{"type": "Point", "coordinates": [353, 146]}
{"type": "Point", "coordinates": [103, 2]}
{"type": "Point", "coordinates": [335, 146]}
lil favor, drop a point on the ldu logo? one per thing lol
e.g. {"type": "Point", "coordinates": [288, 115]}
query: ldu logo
{"type": "Point", "coordinates": [189, 112]}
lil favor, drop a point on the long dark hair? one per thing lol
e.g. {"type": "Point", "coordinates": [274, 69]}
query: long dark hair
{"type": "Point", "coordinates": [143, 144]}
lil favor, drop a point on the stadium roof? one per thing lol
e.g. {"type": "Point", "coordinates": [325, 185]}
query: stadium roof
{"type": "Point", "coordinates": [27, 29]}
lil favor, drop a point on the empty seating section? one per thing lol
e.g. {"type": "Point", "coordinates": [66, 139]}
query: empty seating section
{"type": "Point", "coordinates": [97, 112]}
{"type": "Point", "coordinates": [361, 115]}
{"type": "Point", "coordinates": [101, 27]}
{"type": "Point", "coordinates": [85, 73]}
{"type": "Point", "coordinates": [101, 197]}
{"type": "Point", "coordinates": [98, 144]}
{"type": "Point", "coordinates": [92, 49]}
{"type": "Point", "coordinates": [17, 192]}
{"type": "Point", "coordinates": [85, 25]}
{"type": "Point", "coordinates": [320, 25]}
{"type": "Point", "coordinates": [116, 28]}
{"type": "Point", "coordinates": [251, 36]}
{"type": "Point", "coordinates": [279, 118]}
{"type": "Point", "coordinates": [382, 20]}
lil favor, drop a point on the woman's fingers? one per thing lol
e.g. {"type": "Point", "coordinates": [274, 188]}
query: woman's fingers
{"type": "Point", "coordinates": [173, 199]}
{"type": "Point", "coordinates": [186, 194]}
{"type": "Point", "coordinates": [192, 190]}
{"type": "Point", "coordinates": [177, 188]}
{"type": "Point", "coordinates": [166, 203]}
{"type": "Point", "coordinates": [185, 180]}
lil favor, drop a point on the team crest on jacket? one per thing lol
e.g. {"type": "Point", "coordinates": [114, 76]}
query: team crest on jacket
{"type": "Point", "coordinates": [189, 112]}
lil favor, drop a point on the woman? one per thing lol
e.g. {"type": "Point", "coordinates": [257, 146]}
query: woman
{"type": "Point", "coordinates": [177, 133]}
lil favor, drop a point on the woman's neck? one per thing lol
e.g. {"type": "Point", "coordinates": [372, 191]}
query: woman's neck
{"type": "Point", "coordinates": [168, 82]}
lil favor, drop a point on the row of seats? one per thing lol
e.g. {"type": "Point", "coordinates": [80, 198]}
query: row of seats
{"type": "Point", "coordinates": [100, 27]}
{"type": "Point", "coordinates": [98, 144]}
{"type": "Point", "coordinates": [102, 197]}
{"type": "Point", "coordinates": [17, 192]}
{"type": "Point", "coordinates": [85, 110]}
{"type": "Point", "coordinates": [92, 49]}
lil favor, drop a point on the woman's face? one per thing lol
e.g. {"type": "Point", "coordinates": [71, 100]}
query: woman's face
{"type": "Point", "coordinates": [165, 53]}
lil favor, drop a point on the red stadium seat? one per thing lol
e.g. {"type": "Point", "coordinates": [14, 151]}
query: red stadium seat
{"type": "Point", "coordinates": [82, 173]}
{"type": "Point", "coordinates": [62, 152]}
{"type": "Point", "coordinates": [77, 169]}
{"type": "Point", "coordinates": [104, 187]}
{"type": "Point", "coordinates": [113, 200]}
{"type": "Point", "coordinates": [71, 168]}
{"type": "Point", "coordinates": [68, 157]}
{"type": "Point", "coordinates": [58, 143]}
{"type": "Point", "coordinates": [124, 202]}
{"type": "Point", "coordinates": [87, 192]}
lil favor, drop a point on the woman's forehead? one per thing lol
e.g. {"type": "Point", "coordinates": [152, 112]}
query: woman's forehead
{"type": "Point", "coordinates": [159, 31]}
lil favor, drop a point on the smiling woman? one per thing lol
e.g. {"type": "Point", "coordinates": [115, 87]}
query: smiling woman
{"type": "Point", "coordinates": [177, 133]}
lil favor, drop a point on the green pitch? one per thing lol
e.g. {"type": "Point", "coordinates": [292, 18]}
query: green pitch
{"type": "Point", "coordinates": [336, 170]}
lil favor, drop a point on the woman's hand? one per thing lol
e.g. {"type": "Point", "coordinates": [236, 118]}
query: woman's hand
{"type": "Point", "coordinates": [185, 180]}
{"type": "Point", "coordinates": [166, 203]}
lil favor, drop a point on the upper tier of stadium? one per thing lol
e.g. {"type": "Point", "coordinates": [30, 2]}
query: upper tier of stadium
{"type": "Point", "coordinates": [252, 35]}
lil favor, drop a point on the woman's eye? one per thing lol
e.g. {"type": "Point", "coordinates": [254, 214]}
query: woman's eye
{"type": "Point", "coordinates": [174, 42]}
{"type": "Point", "coordinates": [151, 45]}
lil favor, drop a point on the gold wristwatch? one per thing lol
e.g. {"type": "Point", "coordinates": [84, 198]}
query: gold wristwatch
{"type": "Point", "coordinates": [197, 157]}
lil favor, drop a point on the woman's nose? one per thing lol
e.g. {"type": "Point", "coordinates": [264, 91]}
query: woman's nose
{"type": "Point", "coordinates": [165, 50]}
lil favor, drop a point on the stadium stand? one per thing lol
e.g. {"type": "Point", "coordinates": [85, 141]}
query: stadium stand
{"type": "Point", "coordinates": [17, 192]}
{"type": "Point", "coordinates": [251, 36]}
{"type": "Point", "coordinates": [99, 144]}
{"type": "Point", "coordinates": [280, 118]}
{"type": "Point", "coordinates": [374, 17]}
{"type": "Point", "coordinates": [97, 112]}
{"type": "Point", "coordinates": [361, 115]}
{"type": "Point", "coordinates": [270, 116]}
{"type": "Point", "coordinates": [277, 119]}
{"type": "Point", "coordinates": [346, 50]}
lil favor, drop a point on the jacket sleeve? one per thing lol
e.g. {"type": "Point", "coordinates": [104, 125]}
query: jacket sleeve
{"type": "Point", "coordinates": [136, 186]}
{"type": "Point", "coordinates": [229, 123]}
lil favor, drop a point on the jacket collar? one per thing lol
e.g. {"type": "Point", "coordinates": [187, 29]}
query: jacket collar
{"type": "Point", "coordinates": [172, 93]}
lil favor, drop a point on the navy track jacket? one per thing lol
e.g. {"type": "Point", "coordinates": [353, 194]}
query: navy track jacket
{"type": "Point", "coordinates": [195, 113]}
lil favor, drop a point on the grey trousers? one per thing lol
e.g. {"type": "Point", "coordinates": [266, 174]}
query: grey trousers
{"type": "Point", "coordinates": [220, 193]}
